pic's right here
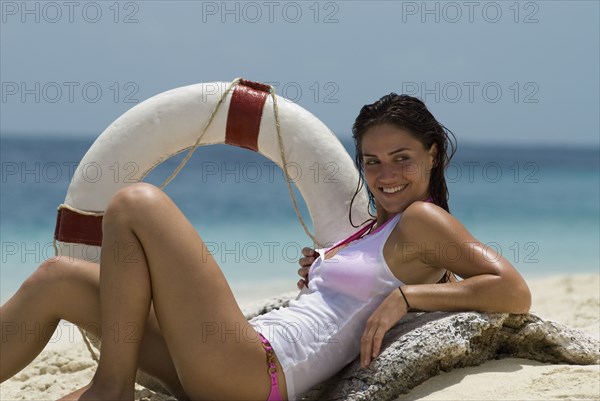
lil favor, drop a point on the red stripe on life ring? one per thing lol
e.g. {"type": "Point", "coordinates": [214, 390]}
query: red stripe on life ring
{"type": "Point", "coordinates": [78, 228]}
{"type": "Point", "coordinates": [245, 113]}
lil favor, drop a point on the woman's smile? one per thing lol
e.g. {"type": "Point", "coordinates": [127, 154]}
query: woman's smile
{"type": "Point", "coordinates": [393, 190]}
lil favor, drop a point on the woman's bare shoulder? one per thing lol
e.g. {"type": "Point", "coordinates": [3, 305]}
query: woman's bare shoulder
{"type": "Point", "coordinates": [429, 221]}
{"type": "Point", "coordinates": [411, 237]}
{"type": "Point", "coordinates": [425, 212]}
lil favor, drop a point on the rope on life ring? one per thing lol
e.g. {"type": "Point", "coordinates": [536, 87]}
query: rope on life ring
{"type": "Point", "coordinates": [281, 151]}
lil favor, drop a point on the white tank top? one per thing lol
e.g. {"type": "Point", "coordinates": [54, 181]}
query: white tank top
{"type": "Point", "coordinates": [319, 332]}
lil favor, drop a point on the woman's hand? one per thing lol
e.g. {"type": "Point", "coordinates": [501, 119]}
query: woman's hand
{"type": "Point", "coordinates": [310, 255]}
{"type": "Point", "coordinates": [391, 310]}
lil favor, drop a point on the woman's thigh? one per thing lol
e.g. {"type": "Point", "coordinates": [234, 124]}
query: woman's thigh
{"type": "Point", "coordinates": [217, 353]}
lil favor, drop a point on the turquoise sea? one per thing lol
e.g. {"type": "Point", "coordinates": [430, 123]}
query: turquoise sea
{"type": "Point", "coordinates": [538, 206]}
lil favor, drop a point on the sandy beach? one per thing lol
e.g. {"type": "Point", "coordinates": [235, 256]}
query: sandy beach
{"type": "Point", "coordinates": [65, 364]}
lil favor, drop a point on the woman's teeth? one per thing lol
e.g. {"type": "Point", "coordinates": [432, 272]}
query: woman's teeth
{"type": "Point", "coordinates": [394, 189]}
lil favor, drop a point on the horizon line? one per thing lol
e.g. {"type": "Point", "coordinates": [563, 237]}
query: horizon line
{"type": "Point", "coordinates": [583, 145]}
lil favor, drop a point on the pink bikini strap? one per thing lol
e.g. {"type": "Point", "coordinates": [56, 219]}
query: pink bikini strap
{"type": "Point", "coordinates": [274, 394]}
{"type": "Point", "coordinates": [360, 232]}
{"type": "Point", "coordinates": [354, 236]}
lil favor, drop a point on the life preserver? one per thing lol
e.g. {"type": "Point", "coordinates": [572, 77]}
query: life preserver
{"type": "Point", "coordinates": [241, 113]}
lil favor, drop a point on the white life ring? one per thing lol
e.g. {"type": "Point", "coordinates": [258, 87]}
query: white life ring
{"type": "Point", "coordinates": [243, 114]}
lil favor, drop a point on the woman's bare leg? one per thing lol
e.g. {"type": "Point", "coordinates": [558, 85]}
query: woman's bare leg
{"type": "Point", "coordinates": [29, 319]}
{"type": "Point", "coordinates": [68, 288]}
{"type": "Point", "coordinates": [161, 257]}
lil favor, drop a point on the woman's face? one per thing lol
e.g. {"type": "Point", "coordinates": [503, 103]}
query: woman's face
{"type": "Point", "coordinates": [397, 167]}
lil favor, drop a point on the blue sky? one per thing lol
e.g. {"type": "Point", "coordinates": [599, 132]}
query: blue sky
{"type": "Point", "coordinates": [493, 72]}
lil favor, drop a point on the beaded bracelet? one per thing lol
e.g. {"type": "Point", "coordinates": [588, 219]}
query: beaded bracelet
{"type": "Point", "coordinates": [405, 300]}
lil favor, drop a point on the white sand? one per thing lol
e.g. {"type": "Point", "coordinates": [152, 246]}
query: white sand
{"type": "Point", "coordinates": [573, 300]}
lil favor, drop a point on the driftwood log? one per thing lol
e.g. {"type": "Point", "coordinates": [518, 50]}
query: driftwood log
{"type": "Point", "coordinates": [424, 344]}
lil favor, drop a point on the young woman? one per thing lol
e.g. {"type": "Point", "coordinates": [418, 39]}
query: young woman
{"type": "Point", "coordinates": [169, 311]}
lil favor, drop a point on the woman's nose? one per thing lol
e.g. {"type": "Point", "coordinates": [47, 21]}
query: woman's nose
{"type": "Point", "coordinates": [387, 171]}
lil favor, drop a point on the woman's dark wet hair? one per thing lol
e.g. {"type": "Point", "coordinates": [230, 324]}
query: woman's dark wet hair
{"type": "Point", "coordinates": [410, 114]}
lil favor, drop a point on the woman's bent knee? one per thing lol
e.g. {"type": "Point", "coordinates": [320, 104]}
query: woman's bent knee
{"type": "Point", "coordinates": [47, 272]}
{"type": "Point", "coordinates": [54, 274]}
{"type": "Point", "coordinates": [131, 201]}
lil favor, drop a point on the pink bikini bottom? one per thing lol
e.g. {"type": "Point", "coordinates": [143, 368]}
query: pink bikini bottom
{"type": "Point", "coordinates": [274, 394]}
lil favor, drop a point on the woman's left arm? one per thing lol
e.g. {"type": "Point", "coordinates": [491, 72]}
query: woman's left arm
{"type": "Point", "coordinates": [490, 283]}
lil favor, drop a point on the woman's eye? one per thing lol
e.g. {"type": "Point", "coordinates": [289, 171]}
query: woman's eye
{"type": "Point", "coordinates": [373, 161]}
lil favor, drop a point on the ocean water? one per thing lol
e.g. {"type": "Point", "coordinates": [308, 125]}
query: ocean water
{"type": "Point", "coordinates": [539, 207]}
